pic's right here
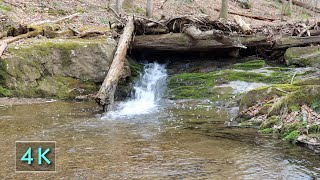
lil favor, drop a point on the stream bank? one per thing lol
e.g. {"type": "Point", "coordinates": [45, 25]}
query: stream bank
{"type": "Point", "coordinates": [278, 98]}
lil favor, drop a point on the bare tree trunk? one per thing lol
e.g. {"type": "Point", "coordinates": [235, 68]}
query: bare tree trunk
{"type": "Point", "coordinates": [149, 8]}
{"type": "Point", "coordinates": [224, 9]}
{"type": "Point", "coordinates": [105, 96]}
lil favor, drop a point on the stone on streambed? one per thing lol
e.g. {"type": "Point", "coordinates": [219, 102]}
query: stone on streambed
{"type": "Point", "coordinates": [303, 56]}
{"type": "Point", "coordinates": [63, 68]}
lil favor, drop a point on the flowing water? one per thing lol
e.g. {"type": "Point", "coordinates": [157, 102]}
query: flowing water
{"type": "Point", "coordinates": [149, 138]}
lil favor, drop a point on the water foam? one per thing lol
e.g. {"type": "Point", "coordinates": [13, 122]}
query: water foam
{"type": "Point", "coordinates": [146, 94]}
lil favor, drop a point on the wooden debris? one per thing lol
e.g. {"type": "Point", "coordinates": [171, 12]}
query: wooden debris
{"type": "Point", "coordinates": [245, 28]}
{"type": "Point", "coordinates": [105, 96]}
{"type": "Point", "coordinates": [70, 17]}
{"type": "Point", "coordinates": [197, 34]}
{"type": "Point", "coordinates": [307, 30]}
{"type": "Point", "coordinates": [35, 32]}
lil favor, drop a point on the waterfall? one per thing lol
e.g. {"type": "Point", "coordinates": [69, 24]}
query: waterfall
{"type": "Point", "coordinates": [147, 92]}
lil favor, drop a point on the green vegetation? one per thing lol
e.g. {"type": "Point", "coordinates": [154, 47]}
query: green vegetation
{"type": "Point", "coordinates": [200, 85]}
{"type": "Point", "coordinates": [266, 131]}
{"type": "Point", "coordinates": [5, 92]}
{"type": "Point", "coordinates": [5, 8]}
{"type": "Point", "coordinates": [270, 122]}
{"type": "Point", "coordinates": [292, 136]}
{"type": "Point", "coordinates": [255, 64]}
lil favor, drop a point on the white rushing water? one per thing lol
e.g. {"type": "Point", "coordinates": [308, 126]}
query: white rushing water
{"type": "Point", "coordinates": [147, 92]}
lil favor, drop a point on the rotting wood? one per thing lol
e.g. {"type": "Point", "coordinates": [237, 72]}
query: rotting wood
{"type": "Point", "coordinates": [197, 34]}
{"type": "Point", "coordinates": [70, 17]}
{"type": "Point", "coordinates": [245, 28]}
{"type": "Point", "coordinates": [35, 32]}
{"type": "Point", "coordinates": [306, 30]}
{"type": "Point", "coordinates": [183, 42]}
{"type": "Point", "coordinates": [216, 35]}
{"type": "Point", "coordinates": [105, 96]}
{"type": "Point", "coordinates": [7, 41]}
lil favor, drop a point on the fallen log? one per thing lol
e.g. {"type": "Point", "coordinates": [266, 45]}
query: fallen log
{"type": "Point", "coordinates": [105, 96]}
{"type": "Point", "coordinates": [286, 42]}
{"type": "Point", "coordinates": [245, 28]}
{"type": "Point", "coordinates": [184, 42]}
{"type": "Point", "coordinates": [35, 32]}
{"type": "Point", "coordinates": [197, 34]}
{"type": "Point", "coordinates": [314, 32]}
{"type": "Point", "coordinates": [306, 30]}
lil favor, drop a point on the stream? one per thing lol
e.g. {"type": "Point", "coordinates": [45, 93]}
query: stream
{"type": "Point", "coordinates": [148, 137]}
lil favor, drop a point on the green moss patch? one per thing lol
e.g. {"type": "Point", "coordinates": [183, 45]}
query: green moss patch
{"type": "Point", "coordinates": [292, 136]}
{"type": "Point", "coordinates": [199, 85]}
{"type": "Point", "coordinates": [5, 92]}
{"type": "Point", "coordinates": [266, 131]}
{"type": "Point", "coordinates": [255, 64]}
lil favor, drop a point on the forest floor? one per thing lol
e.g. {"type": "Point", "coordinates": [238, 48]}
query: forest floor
{"type": "Point", "coordinates": [95, 13]}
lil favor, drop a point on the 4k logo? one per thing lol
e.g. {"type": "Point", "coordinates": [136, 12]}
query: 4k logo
{"type": "Point", "coordinates": [35, 156]}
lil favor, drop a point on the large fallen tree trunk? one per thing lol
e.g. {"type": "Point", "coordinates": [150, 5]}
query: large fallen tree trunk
{"type": "Point", "coordinates": [183, 42]}
{"type": "Point", "coordinates": [105, 96]}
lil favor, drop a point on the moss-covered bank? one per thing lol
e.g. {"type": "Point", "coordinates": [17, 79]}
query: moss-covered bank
{"type": "Point", "coordinates": [58, 68]}
{"type": "Point", "coordinates": [288, 101]}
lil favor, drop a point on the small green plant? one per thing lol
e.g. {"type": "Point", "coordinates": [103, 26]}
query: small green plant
{"type": "Point", "coordinates": [5, 92]}
{"type": "Point", "coordinates": [292, 136]}
{"type": "Point", "coordinates": [267, 131]}
{"type": "Point", "coordinates": [316, 105]}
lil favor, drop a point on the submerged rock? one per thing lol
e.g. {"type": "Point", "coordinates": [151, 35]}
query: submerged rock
{"type": "Point", "coordinates": [303, 56]}
{"type": "Point", "coordinates": [56, 67]}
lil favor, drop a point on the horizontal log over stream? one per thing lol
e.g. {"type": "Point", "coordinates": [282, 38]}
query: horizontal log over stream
{"type": "Point", "coordinates": [184, 42]}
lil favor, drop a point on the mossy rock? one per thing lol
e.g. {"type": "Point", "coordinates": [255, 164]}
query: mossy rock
{"type": "Point", "coordinates": [250, 98]}
{"type": "Point", "coordinates": [303, 56]}
{"type": "Point", "coordinates": [66, 64]}
{"type": "Point", "coordinates": [255, 64]}
{"type": "Point", "coordinates": [312, 78]}
{"type": "Point", "coordinates": [200, 85]}
{"type": "Point", "coordinates": [293, 101]}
